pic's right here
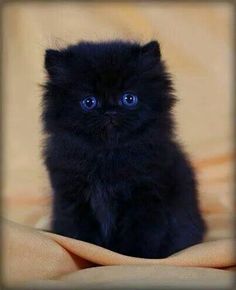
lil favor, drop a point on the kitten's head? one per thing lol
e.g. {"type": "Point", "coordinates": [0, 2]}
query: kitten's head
{"type": "Point", "coordinates": [107, 91]}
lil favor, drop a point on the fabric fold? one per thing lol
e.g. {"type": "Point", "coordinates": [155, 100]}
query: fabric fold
{"type": "Point", "coordinates": [30, 254]}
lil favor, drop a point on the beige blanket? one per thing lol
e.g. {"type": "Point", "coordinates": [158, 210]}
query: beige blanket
{"type": "Point", "coordinates": [31, 255]}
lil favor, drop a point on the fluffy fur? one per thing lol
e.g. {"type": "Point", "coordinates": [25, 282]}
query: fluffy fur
{"type": "Point", "coordinates": [119, 180]}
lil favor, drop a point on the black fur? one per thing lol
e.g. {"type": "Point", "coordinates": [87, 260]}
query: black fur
{"type": "Point", "coordinates": [121, 182]}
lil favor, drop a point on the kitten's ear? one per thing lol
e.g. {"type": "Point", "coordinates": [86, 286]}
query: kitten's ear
{"type": "Point", "coordinates": [54, 62]}
{"type": "Point", "coordinates": [152, 48]}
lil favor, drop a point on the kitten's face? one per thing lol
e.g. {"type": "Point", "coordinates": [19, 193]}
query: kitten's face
{"type": "Point", "coordinates": [107, 91]}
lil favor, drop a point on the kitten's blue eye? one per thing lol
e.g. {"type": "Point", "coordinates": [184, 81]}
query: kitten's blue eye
{"type": "Point", "coordinates": [129, 100]}
{"type": "Point", "coordinates": [88, 103]}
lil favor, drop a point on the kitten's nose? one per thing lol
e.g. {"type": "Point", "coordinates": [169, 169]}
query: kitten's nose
{"type": "Point", "coordinates": [110, 113]}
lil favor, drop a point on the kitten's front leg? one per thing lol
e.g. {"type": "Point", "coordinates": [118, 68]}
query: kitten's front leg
{"type": "Point", "coordinates": [76, 221]}
{"type": "Point", "coordinates": [142, 229]}
{"type": "Point", "coordinates": [186, 224]}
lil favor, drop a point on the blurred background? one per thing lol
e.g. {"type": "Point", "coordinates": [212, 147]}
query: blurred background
{"type": "Point", "coordinates": [197, 44]}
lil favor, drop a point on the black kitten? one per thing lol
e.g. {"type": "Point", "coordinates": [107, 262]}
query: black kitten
{"type": "Point", "coordinates": [120, 179]}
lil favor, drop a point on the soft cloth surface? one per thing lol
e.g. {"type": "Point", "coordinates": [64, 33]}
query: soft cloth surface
{"type": "Point", "coordinates": [31, 255]}
{"type": "Point", "coordinates": [141, 277]}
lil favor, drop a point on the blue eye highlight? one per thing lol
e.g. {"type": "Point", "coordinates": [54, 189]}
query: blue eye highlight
{"type": "Point", "coordinates": [88, 103]}
{"type": "Point", "coordinates": [129, 100]}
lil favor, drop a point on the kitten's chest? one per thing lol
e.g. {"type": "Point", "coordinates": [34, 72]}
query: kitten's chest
{"type": "Point", "coordinates": [114, 178]}
{"type": "Point", "coordinates": [109, 186]}
{"type": "Point", "coordinates": [110, 178]}
{"type": "Point", "coordinates": [116, 165]}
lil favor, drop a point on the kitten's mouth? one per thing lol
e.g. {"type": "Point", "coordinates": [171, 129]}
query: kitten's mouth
{"type": "Point", "coordinates": [110, 126]}
{"type": "Point", "coordinates": [110, 122]}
